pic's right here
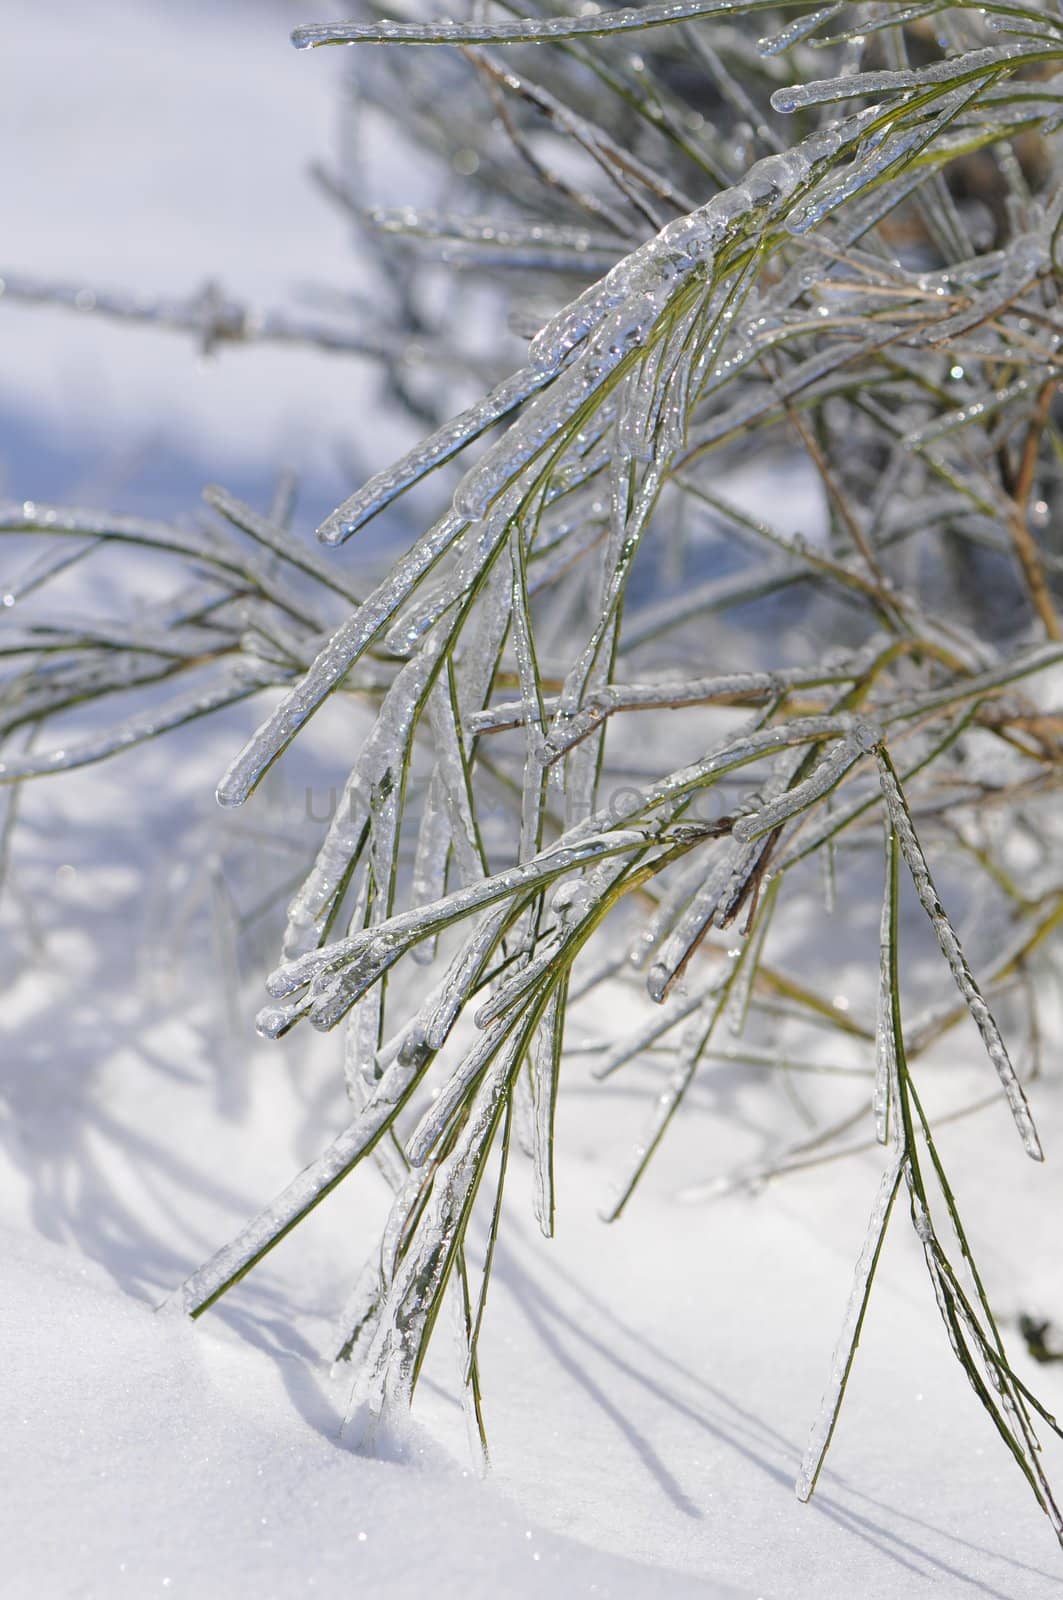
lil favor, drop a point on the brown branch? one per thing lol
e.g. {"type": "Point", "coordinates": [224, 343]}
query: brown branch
{"type": "Point", "coordinates": [1023, 541]}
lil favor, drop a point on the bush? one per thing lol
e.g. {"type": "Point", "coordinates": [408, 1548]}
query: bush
{"type": "Point", "coordinates": [873, 281]}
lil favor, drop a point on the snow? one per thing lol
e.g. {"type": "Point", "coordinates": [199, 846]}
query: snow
{"type": "Point", "coordinates": [165, 1463]}
{"type": "Point", "coordinates": [650, 1386]}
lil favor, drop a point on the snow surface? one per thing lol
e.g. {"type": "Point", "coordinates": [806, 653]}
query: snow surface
{"type": "Point", "coordinates": [650, 1385]}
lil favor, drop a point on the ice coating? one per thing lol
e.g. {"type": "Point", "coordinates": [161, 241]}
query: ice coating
{"type": "Point", "coordinates": [388, 941]}
{"type": "Point", "coordinates": [531, 712]}
{"type": "Point", "coordinates": [236, 682]}
{"type": "Point", "coordinates": [951, 949]}
{"type": "Point", "coordinates": [406, 633]}
{"type": "Point", "coordinates": [508, 231]}
{"type": "Point", "coordinates": [620, 162]}
{"type": "Point", "coordinates": [453, 774]}
{"type": "Point", "coordinates": [978, 409]}
{"type": "Point", "coordinates": [687, 244]}
{"type": "Point", "coordinates": [391, 1363]}
{"type": "Point", "coordinates": [32, 516]}
{"type": "Point", "coordinates": [510, 992]}
{"type": "Point", "coordinates": [480, 539]}
{"type": "Point", "coordinates": [714, 901]}
{"type": "Point", "coordinates": [48, 564]}
{"type": "Point", "coordinates": [531, 699]}
{"type": "Point", "coordinates": [797, 97]}
{"type": "Point", "coordinates": [644, 271]}
{"type": "Point", "coordinates": [1026, 664]}
{"type": "Point", "coordinates": [738, 752]}
{"type": "Point", "coordinates": [216, 547]}
{"type": "Point", "coordinates": [675, 1009]}
{"type": "Point", "coordinates": [453, 1092]}
{"type": "Point", "coordinates": [436, 1018]}
{"type": "Point", "coordinates": [278, 540]}
{"type": "Point", "coordinates": [883, 151]}
{"type": "Point", "coordinates": [741, 987]}
{"type": "Point", "coordinates": [430, 453]}
{"type": "Point", "coordinates": [331, 664]}
{"type": "Point", "coordinates": [361, 1037]}
{"type": "Point", "coordinates": [827, 774]}
{"type": "Point", "coordinates": [358, 1316]}
{"type": "Point", "coordinates": [305, 1191]}
{"type": "Point", "coordinates": [671, 905]}
{"type": "Point", "coordinates": [734, 862]}
{"type": "Point", "coordinates": [774, 44]}
{"type": "Point", "coordinates": [599, 836]}
{"type": "Point", "coordinates": [723, 688]}
{"type": "Point", "coordinates": [620, 312]}
{"type": "Point", "coordinates": [624, 20]}
{"type": "Point", "coordinates": [797, 378]}
{"type": "Point", "coordinates": [623, 329]}
{"type": "Point", "coordinates": [1025, 259]}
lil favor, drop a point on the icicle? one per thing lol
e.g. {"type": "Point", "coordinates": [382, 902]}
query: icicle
{"type": "Point", "coordinates": [741, 989]}
{"type": "Point", "coordinates": [361, 1040]}
{"type": "Point", "coordinates": [374, 781]}
{"type": "Point", "coordinates": [359, 1314]}
{"type": "Point", "coordinates": [850, 1334]}
{"type": "Point", "coordinates": [544, 1066]}
{"type": "Point", "coordinates": [640, 395]}
{"type": "Point", "coordinates": [916, 863]}
{"type": "Point", "coordinates": [885, 1091]}
{"type": "Point", "coordinates": [428, 882]}
{"type": "Point", "coordinates": [362, 1072]}
{"type": "Point", "coordinates": [697, 1038]}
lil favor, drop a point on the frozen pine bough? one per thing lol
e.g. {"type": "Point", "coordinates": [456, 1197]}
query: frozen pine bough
{"type": "Point", "coordinates": [627, 729]}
